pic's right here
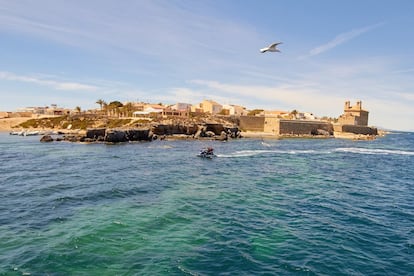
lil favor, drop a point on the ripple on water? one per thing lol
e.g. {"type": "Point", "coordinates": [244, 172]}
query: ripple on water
{"type": "Point", "coordinates": [317, 207]}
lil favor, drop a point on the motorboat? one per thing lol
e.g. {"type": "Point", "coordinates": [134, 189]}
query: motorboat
{"type": "Point", "coordinates": [207, 153]}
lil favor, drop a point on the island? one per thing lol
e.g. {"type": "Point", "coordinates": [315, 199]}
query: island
{"type": "Point", "coordinates": [116, 122]}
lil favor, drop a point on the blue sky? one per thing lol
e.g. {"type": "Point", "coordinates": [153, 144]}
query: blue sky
{"type": "Point", "coordinates": [72, 53]}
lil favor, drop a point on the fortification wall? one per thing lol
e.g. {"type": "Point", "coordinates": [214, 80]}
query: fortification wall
{"type": "Point", "coordinates": [271, 125]}
{"type": "Point", "coordinates": [20, 114]}
{"type": "Point", "coordinates": [365, 130]}
{"type": "Point", "coordinates": [251, 123]}
{"type": "Point", "coordinates": [303, 127]}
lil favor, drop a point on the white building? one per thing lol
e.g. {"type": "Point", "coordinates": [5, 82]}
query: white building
{"type": "Point", "coordinates": [235, 110]}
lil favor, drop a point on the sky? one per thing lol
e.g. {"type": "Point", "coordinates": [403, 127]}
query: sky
{"type": "Point", "coordinates": [73, 53]}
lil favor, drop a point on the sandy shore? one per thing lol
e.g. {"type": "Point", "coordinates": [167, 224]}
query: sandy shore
{"type": "Point", "coordinates": [7, 124]}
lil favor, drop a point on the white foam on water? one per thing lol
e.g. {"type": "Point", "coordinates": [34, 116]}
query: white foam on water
{"type": "Point", "coordinates": [247, 153]}
{"type": "Point", "coordinates": [374, 151]}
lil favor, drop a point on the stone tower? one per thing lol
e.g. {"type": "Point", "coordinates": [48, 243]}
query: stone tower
{"type": "Point", "coordinates": [354, 115]}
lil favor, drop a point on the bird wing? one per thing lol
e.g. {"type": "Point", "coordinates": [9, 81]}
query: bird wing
{"type": "Point", "coordinates": [275, 44]}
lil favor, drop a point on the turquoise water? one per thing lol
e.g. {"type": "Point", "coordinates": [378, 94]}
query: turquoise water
{"type": "Point", "coordinates": [283, 207]}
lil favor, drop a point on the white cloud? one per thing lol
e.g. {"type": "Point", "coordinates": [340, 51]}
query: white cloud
{"type": "Point", "coordinates": [342, 38]}
{"type": "Point", "coordinates": [58, 85]}
{"type": "Point", "coordinates": [392, 111]}
{"type": "Point", "coordinates": [293, 96]}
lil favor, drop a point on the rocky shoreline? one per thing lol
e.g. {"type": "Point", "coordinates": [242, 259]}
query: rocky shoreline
{"type": "Point", "coordinates": [173, 130]}
{"type": "Point", "coordinates": [161, 132]}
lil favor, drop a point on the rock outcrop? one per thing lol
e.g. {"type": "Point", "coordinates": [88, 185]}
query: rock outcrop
{"type": "Point", "coordinates": [210, 131]}
{"type": "Point", "coordinates": [46, 138]}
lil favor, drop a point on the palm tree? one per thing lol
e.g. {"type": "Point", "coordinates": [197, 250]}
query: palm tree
{"type": "Point", "coordinates": [78, 109]}
{"type": "Point", "coordinates": [101, 103]}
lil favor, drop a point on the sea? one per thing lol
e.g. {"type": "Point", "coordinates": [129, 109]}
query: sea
{"type": "Point", "coordinates": [261, 207]}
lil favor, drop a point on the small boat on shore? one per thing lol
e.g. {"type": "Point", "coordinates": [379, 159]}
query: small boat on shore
{"type": "Point", "coordinates": [20, 133]}
{"type": "Point", "coordinates": [25, 133]}
{"type": "Point", "coordinates": [207, 153]}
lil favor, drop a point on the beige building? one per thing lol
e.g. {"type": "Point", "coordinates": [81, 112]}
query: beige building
{"type": "Point", "coordinates": [354, 115]}
{"type": "Point", "coordinates": [207, 106]}
{"type": "Point", "coordinates": [237, 110]}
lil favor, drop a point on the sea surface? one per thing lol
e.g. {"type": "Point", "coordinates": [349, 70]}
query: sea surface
{"type": "Point", "coordinates": [262, 207]}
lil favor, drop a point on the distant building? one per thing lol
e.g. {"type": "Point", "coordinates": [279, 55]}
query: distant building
{"type": "Point", "coordinates": [212, 107]}
{"type": "Point", "coordinates": [46, 110]}
{"type": "Point", "coordinates": [197, 108]}
{"type": "Point", "coordinates": [177, 110]}
{"type": "Point", "coordinates": [305, 116]}
{"type": "Point", "coordinates": [181, 106]}
{"type": "Point", "coordinates": [235, 110]}
{"type": "Point", "coordinates": [354, 115]}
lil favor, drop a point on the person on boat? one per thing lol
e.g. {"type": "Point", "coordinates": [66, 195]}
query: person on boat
{"type": "Point", "coordinates": [207, 151]}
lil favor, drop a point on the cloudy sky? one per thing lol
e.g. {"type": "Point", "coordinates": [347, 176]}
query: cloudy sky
{"type": "Point", "coordinates": [72, 53]}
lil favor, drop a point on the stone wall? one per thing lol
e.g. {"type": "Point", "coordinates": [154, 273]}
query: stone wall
{"type": "Point", "coordinates": [272, 125]}
{"type": "Point", "coordinates": [365, 130]}
{"type": "Point", "coordinates": [297, 127]}
{"type": "Point", "coordinates": [252, 123]}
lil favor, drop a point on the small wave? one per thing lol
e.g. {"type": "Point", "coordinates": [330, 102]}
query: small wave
{"type": "Point", "coordinates": [374, 151]}
{"type": "Point", "coordinates": [246, 153]}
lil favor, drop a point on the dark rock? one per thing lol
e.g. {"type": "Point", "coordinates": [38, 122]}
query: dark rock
{"type": "Point", "coordinates": [71, 138]}
{"type": "Point", "coordinates": [95, 133]}
{"type": "Point", "coordinates": [115, 136]}
{"type": "Point", "coordinates": [46, 138]}
{"type": "Point", "coordinates": [138, 135]}
{"type": "Point", "coordinates": [175, 129]}
{"type": "Point", "coordinates": [215, 128]}
{"type": "Point", "coordinates": [86, 140]}
{"type": "Point", "coordinates": [233, 132]}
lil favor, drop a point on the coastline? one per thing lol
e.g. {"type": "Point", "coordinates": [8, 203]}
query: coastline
{"type": "Point", "coordinates": [10, 124]}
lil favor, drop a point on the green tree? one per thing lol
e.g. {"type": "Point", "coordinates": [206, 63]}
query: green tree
{"type": "Point", "coordinates": [114, 107]}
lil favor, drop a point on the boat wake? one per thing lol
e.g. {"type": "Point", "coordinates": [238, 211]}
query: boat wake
{"type": "Point", "coordinates": [250, 153]}
{"type": "Point", "coordinates": [374, 151]}
{"type": "Point", "coordinates": [247, 153]}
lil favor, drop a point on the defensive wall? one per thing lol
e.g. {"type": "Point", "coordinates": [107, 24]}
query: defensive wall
{"type": "Point", "coordinates": [283, 127]}
{"type": "Point", "coordinates": [365, 130]}
{"type": "Point", "coordinates": [251, 123]}
{"type": "Point", "coordinates": [303, 127]}
{"type": "Point", "coordinates": [277, 126]}
{"type": "Point", "coordinates": [5, 114]}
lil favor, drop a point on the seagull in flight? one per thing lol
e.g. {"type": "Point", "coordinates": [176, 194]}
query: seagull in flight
{"type": "Point", "coordinates": [271, 48]}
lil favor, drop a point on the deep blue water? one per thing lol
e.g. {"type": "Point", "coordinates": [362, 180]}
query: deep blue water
{"type": "Point", "coordinates": [282, 207]}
